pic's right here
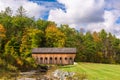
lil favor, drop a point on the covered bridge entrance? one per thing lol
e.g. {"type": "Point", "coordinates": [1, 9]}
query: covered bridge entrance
{"type": "Point", "coordinates": [54, 55]}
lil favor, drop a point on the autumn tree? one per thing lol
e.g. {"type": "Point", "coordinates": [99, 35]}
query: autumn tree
{"type": "Point", "coordinates": [2, 36]}
{"type": "Point", "coordinates": [2, 31]}
{"type": "Point", "coordinates": [20, 33]}
{"type": "Point", "coordinates": [31, 39]}
{"type": "Point", "coordinates": [54, 37]}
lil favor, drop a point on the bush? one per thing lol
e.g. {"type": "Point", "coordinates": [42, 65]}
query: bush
{"type": "Point", "coordinates": [11, 67]}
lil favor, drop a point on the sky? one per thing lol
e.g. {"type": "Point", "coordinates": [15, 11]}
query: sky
{"type": "Point", "coordinates": [91, 15]}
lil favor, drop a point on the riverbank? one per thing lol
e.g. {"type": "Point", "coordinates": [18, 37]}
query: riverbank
{"type": "Point", "coordinates": [81, 71]}
{"type": "Point", "coordinates": [53, 72]}
{"type": "Point", "coordinates": [42, 72]}
{"type": "Point", "coordinates": [8, 75]}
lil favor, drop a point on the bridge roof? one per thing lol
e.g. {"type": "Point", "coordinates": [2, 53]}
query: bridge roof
{"type": "Point", "coordinates": [54, 50]}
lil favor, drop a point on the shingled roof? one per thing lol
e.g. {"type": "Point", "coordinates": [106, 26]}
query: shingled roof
{"type": "Point", "coordinates": [54, 50]}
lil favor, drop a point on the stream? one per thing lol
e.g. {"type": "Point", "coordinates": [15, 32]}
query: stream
{"type": "Point", "coordinates": [43, 73]}
{"type": "Point", "coordinates": [40, 74]}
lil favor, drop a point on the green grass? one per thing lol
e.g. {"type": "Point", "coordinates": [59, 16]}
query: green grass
{"type": "Point", "coordinates": [95, 71]}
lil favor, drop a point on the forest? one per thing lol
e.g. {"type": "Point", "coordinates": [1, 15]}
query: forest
{"type": "Point", "coordinates": [19, 34]}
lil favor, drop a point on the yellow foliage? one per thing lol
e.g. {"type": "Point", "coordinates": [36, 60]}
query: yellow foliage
{"type": "Point", "coordinates": [96, 37]}
{"type": "Point", "coordinates": [29, 39]}
{"type": "Point", "coordinates": [20, 62]}
{"type": "Point", "coordinates": [2, 31]}
{"type": "Point", "coordinates": [54, 37]}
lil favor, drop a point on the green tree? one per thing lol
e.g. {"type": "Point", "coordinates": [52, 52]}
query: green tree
{"type": "Point", "coordinates": [42, 24]}
{"type": "Point", "coordinates": [71, 35]}
{"type": "Point", "coordinates": [21, 11]}
{"type": "Point", "coordinates": [103, 37]}
{"type": "Point", "coordinates": [8, 11]}
{"type": "Point", "coordinates": [11, 54]}
{"type": "Point", "coordinates": [89, 46]}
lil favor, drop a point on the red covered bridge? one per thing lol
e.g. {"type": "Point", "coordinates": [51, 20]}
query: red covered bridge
{"type": "Point", "coordinates": [54, 55]}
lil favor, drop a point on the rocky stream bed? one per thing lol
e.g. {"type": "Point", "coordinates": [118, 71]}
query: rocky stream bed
{"type": "Point", "coordinates": [42, 73]}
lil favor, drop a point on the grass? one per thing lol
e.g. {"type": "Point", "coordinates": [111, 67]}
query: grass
{"type": "Point", "coordinates": [95, 71]}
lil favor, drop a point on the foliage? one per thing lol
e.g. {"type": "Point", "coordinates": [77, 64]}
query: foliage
{"type": "Point", "coordinates": [2, 36]}
{"type": "Point", "coordinates": [54, 37]}
{"type": "Point", "coordinates": [31, 39]}
{"type": "Point", "coordinates": [2, 31]}
{"type": "Point", "coordinates": [19, 34]}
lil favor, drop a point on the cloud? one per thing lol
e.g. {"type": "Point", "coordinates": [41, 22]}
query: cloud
{"type": "Point", "coordinates": [109, 23]}
{"type": "Point", "coordinates": [33, 9]}
{"type": "Point", "coordinates": [92, 15]}
{"type": "Point", "coordinates": [113, 4]}
{"type": "Point", "coordinates": [78, 11]}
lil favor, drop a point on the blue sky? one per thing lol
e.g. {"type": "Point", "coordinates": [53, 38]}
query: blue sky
{"type": "Point", "coordinates": [49, 4]}
{"type": "Point", "coordinates": [91, 15]}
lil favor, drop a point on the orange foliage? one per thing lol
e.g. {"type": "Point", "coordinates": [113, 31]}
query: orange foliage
{"type": "Point", "coordinates": [96, 37]}
{"type": "Point", "coordinates": [2, 31]}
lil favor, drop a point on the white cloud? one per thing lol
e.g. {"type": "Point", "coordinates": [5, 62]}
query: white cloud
{"type": "Point", "coordinates": [113, 4]}
{"type": "Point", "coordinates": [33, 9]}
{"type": "Point", "coordinates": [109, 23]}
{"type": "Point", "coordinates": [92, 15]}
{"type": "Point", "coordinates": [110, 19]}
{"type": "Point", "coordinates": [89, 14]}
{"type": "Point", "coordinates": [77, 11]}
